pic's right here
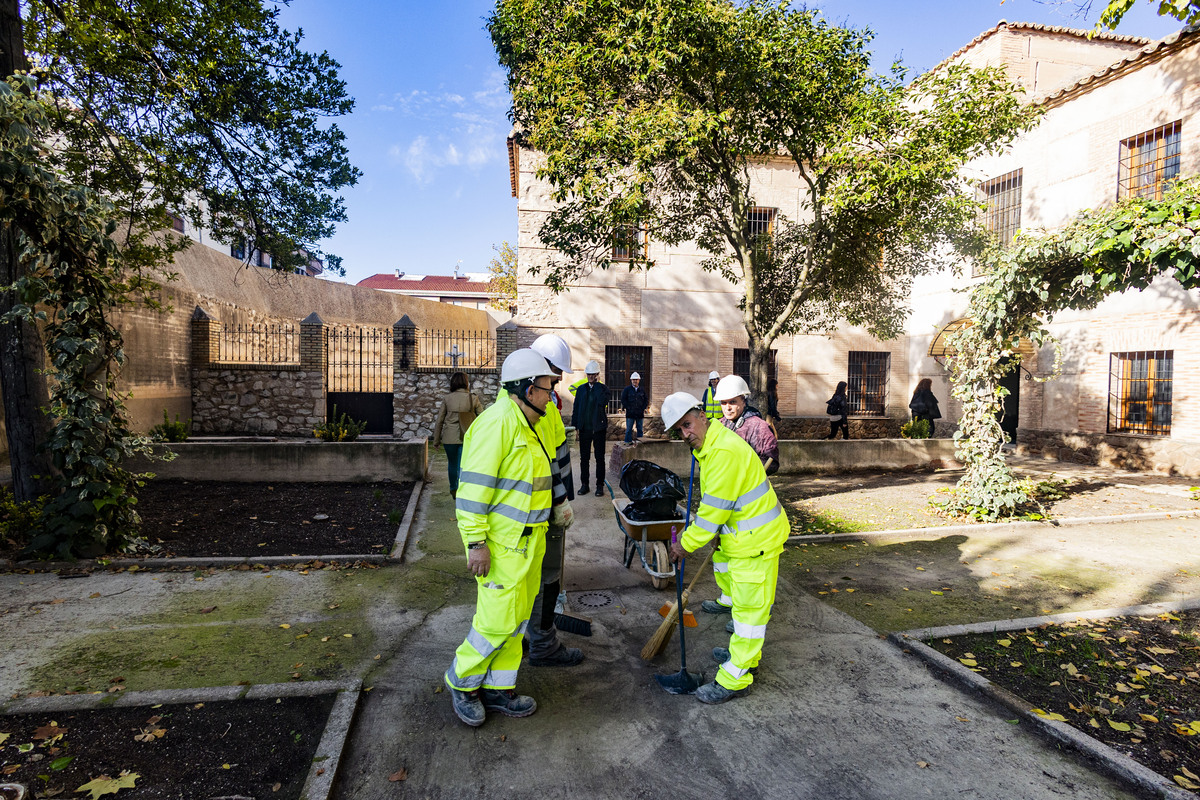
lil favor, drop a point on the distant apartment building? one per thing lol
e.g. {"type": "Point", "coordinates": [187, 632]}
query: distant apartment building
{"type": "Point", "coordinates": [1118, 114]}
{"type": "Point", "coordinates": [468, 289]}
{"type": "Point", "coordinates": [244, 250]}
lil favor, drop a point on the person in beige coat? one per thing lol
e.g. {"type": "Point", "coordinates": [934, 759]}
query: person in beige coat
{"type": "Point", "coordinates": [458, 410]}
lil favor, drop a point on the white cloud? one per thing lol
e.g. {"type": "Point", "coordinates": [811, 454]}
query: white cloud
{"type": "Point", "coordinates": [383, 108]}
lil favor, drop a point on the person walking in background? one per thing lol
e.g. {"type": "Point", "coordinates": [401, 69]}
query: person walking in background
{"type": "Point", "coordinates": [590, 420]}
{"type": "Point", "coordinates": [635, 402]}
{"type": "Point", "coordinates": [773, 418]}
{"type": "Point", "coordinates": [458, 410]}
{"type": "Point", "coordinates": [923, 404]}
{"type": "Point", "coordinates": [838, 409]}
{"type": "Point", "coordinates": [743, 419]}
{"type": "Point", "coordinates": [712, 408]}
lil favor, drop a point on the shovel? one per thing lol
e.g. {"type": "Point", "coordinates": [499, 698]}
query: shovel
{"type": "Point", "coordinates": [682, 682]}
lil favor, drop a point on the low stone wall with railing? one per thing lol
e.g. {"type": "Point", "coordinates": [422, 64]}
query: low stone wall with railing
{"type": "Point", "coordinates": [1142, 453]}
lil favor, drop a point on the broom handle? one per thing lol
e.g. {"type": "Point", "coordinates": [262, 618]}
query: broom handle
{"type": "Point", "coordinates": [687, 517]}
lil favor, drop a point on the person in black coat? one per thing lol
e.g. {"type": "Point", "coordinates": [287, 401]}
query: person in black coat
{"type": "Point", "coordinates": [590, 420]}
{"type": "Point", "coordinates": [923, 404]}
{"type": "Point", "coordinates": [838, 409]}
{"type": "Point", "coordinates": [635, 402]}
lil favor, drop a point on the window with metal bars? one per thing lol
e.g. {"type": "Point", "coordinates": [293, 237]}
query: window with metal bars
{"type": "Point", "coordinates": [1149, 162]}
{"type": "Point", "coordinates": [1139, 392]}
{"type": "Point", "coordinates": [741, 365]}
{"type": "Point", "coordinates": [1002, 213]}
{"type": "Point", "coordinates": [867, 383]}
{"type": "Point", "coordinates": [619, 362]}
{"type": "Point", "coordinates": [629, 242]}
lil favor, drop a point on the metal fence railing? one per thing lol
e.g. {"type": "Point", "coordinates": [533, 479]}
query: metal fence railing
{"type": "Point", "coordinates": [358, 359]}
{"type": "Point", "coordinates": [259, 343]}
{"type": "Point", "coordinates": [455, 349]}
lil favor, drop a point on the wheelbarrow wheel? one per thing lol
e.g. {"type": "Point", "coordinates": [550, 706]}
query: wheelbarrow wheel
{"type": "Point", "coordinates": [660, 561]}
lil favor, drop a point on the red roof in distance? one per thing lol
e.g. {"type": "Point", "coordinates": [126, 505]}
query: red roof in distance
{"type": "Point", "coordinates": [430, 284]}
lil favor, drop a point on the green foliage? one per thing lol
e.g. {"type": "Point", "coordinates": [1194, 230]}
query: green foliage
{"type": "Point", "coordinates": [653, 114]}
{"type": "Point", "coordinates": [1186, 11]}
{"type": "Point", "coordinates": [502, 286]}
{"type": "Point", "coordinates": [73, 278]}
{"type": "Point", "coordinates": [1099, 253]}
{"type": "Point", "coordinates": [916, 429]}
{"type": "Point", "coordinates": [19, 521]}
{"type": "Point", "coordinates": [339, 428]}
{"type": "Point", "coordinates": [170, 431]}
{"type": "Point", "coordinates": [207, 109]}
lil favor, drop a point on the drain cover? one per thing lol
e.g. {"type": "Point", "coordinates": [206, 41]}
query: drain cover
{"type": "Point", "coordinates": [593, 600]}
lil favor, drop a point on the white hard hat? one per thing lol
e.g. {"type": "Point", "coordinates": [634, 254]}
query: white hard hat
{"type": "Point", "coordinates": [712, 376]}
{"type": "Point", "coordinates": [524, 364]}
{"type": "Point", "coordinates": [554, 349]}
{"type": "Point", "coordinates": [729, 387]}
{"type": "Point", "coordinates": [592, 368]}
{"type": "Point", "coordinates": [675, 406]}
{"type": "Point", "coordinates": [635, 377]}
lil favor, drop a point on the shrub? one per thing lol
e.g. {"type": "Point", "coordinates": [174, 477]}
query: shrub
{"type": "Point", "coordinates": [170, 431]}
{"type": "Point", "coordinates": [339, 429]}
{"type": "Point", "coordinates": [19, 521]}
{"type": "Point", "coordinates": [916, 429]}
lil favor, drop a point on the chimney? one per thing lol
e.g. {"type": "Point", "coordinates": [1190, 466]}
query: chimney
{"type": "Point", "coordinates": [399, 274]}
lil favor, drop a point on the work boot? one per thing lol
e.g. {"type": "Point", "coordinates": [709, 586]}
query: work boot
{"type": "Point", "coordinates": [583, 490]}
{"type": "Point", "coordinates": [508, 702]}
{"type": "Point", "coordinates": [721, 655]}
{"type": "Point", "coordinates": [729, 627]}
{"type": "Point", "coordinates": [713, 607]}
{"type": "Point", "coordinates": [600, 490]}
{"type": "Point", "coordinates": [468, 707]}
{"type": "Point", "coordinates": [562, 657]}
{"type": "Point", "coordinates": [713, 693]}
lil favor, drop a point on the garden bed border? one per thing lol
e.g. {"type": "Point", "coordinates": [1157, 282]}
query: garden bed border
{"type": "Point", "coordinates": [1107, 758]}
{"type": "Point", "coordinates": [321, 772]}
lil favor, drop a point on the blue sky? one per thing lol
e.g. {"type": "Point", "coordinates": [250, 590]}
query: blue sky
{"type": "Point", "coordinates": [429, 127]}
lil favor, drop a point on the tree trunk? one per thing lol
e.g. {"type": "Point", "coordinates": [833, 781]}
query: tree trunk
{"type": "Point", "coordinates": [760, 371]}
{"type": "Point", "coordinates": [22, 354]}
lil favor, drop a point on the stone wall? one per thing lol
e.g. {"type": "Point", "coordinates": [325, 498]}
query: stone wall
{"type": "Point", "coordinates": [257, 399]}
{"type": "Point", "coordinates": [1143, 453]}
{"type": "Point", "coordinates": [418, 395]}
{"type": "Point", "coordinates": [789, 427]}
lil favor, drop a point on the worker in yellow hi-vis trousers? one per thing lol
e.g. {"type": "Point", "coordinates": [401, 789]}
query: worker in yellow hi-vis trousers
{"type": "Point", "coordinates": [738, 503]}
{"type": "Point", "coordinates": [503, 509]}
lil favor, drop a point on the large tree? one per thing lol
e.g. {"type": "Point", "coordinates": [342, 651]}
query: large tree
{"type": "Point", "coordinates": [205, 110]}
{"type": "Point", "coordinates": [653, 115]}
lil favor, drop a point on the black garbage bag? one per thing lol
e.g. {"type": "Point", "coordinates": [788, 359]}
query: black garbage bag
{"type": "Point", "coordinates": [652, 490]}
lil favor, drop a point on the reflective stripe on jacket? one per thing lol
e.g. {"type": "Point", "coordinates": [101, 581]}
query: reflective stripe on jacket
{"type": "Point", "coordinates": [737, 502]}
{"type": "Point", "coordinates": [553, 433]}
{"type": "Point", "coordinates": [505, 482]}
{"type": "Point", "coordinates": [712, 409]}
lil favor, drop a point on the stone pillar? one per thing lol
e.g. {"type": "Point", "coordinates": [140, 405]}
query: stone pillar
{"type": "Point", "coordinates": [206, 334]}
{"type": "Point", "coordinates": [312, 344]}
{"type": "Point", "coordinates": [404, 345]}
{"type": "Point", "coordinates": [506, 341]}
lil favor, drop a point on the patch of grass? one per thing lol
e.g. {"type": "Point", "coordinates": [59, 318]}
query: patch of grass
{"type": "Point", "coordinates": [1131, 682]}
{"type": "Point", "coordinates": [805, 522]}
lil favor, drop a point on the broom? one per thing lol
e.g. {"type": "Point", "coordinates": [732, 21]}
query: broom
{"type": "Point", "coordinates": [662, 636]}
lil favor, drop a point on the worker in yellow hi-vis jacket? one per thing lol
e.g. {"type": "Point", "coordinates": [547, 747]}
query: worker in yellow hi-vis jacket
{"type": "Point", "coordinates": [503, 509]}
{"type": "Point", "coordinates": [738, 503]}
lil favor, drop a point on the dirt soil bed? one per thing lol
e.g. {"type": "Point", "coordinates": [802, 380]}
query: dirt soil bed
{"type": "Point", "coordinates": [241, 748]}
{"type": "Point", "coordinates": [872, 501]}
{"type": "Point", "coordinates": [219, 518]}
{"type": "Point", "coordinates": [1131, 682]}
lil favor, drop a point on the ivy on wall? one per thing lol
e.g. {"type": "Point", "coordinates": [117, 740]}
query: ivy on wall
{"type": "Point", "coordinates": [1098, 254]}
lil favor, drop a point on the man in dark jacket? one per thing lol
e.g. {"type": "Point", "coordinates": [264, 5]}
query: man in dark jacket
{"type": "Point", "coordinates": [635, 402]}
{"type": "Point", "coordinates": [590, 419]}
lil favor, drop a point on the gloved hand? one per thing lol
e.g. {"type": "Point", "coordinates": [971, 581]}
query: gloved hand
{"type": "Point", "coordinates": [562, 515]}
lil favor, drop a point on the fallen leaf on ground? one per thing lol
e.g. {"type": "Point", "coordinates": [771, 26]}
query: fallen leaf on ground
{"type": "Point", "coordinates": [398, 775]}
{"type": "Point", "coordinates": [1118, 726]}
{"type": "Point", "coordinates": [49, 731]}
{"type": "Point", "coordinates": [923, 764]}
{"type": "Point", "coordinates": [106, 785]}
{"type": "Point", "coordinates": [208, 610]}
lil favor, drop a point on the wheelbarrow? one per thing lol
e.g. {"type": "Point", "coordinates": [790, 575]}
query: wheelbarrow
{"type": "Point", "coordinates": [647, 538]}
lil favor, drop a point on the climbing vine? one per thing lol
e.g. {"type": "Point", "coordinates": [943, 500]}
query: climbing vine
{"type": "Point", "coordinates": [74, 278]}
{"type": "Point", "coordinates": [1098, 254]}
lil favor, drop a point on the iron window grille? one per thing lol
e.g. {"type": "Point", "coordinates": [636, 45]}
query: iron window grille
{"type": "Point", "coordinates": [1149, 162]}
{"type": "Point", "coordinates": [619, 362]}
{"type": "Point", "coordinates": [1139, 392]}
{"type": "Point", "coordinates": [868, 383]}
{"type": "Point", "coordinates": [760, 228]}
{"type": "Point", "coordinates": [1002, 213]}
{"type": "Point", "coordinates": [629, 243]}
{"type": "Point", "coordinates": [741, 365]}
